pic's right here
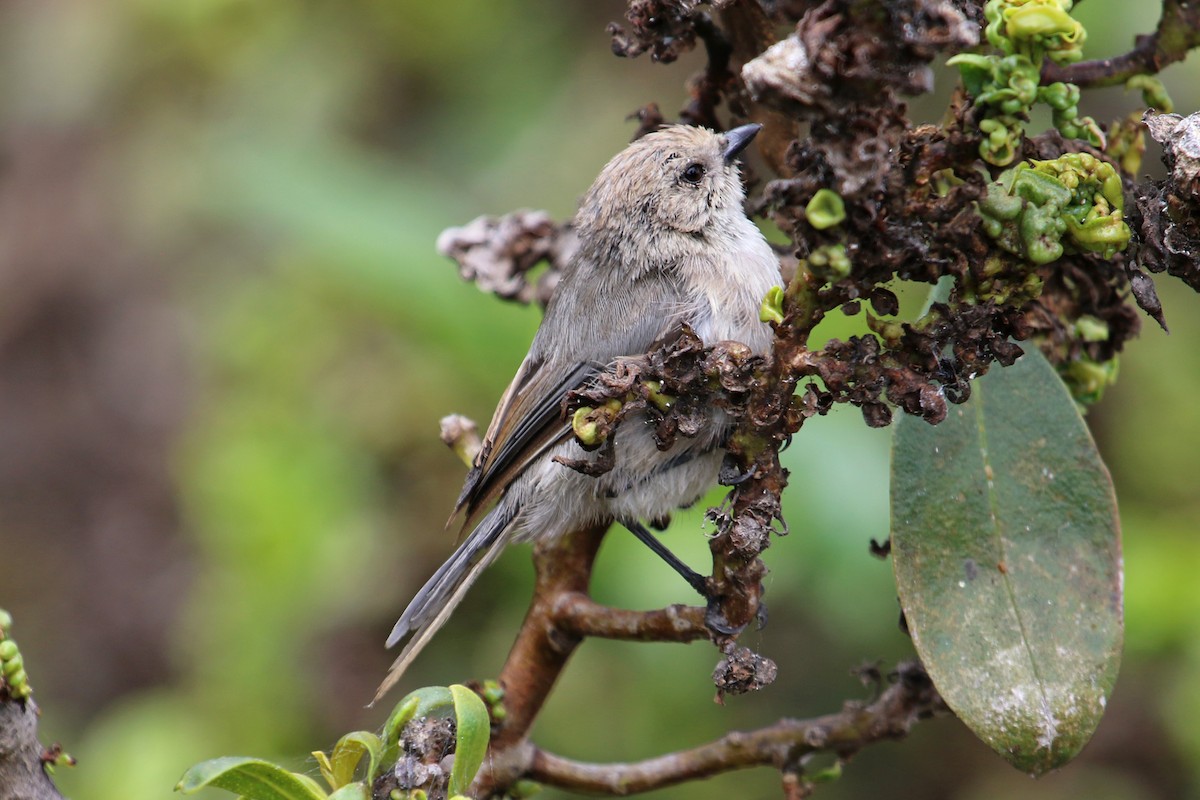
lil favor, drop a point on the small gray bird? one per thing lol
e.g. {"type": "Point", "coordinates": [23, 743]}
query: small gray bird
{"type": "Point", "coordinates": [663, 242]}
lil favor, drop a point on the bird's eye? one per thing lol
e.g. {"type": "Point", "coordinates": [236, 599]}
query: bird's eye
{"type": "Point", "coordinates": [694, 173]}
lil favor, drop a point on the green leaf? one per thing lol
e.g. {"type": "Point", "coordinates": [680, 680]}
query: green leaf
{"type": "Point", "coordinates": [419, 703]}
{"type": "Point", "coordinates": [349, 751]}
{"type": "Point", "coordinates": [474, 728]}
{"type": "Point", "coordinates": [1006, 548]}
{"type": "Point", "coordinates": [352, 791]}
{"type": "Point", "coordinates": [251, 778]}
{"type": "Point", "coordinates": [326, 768]}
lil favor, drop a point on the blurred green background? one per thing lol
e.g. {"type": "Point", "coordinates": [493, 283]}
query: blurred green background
{"type": "Point", "coordinates": [226, 341]}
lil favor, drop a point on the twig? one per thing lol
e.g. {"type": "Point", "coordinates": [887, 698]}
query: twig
{"type": "Point", "coordinates": [782, 745]}
{"type": "Point", "coordinates": [580, 615]}
{"type": "Point", "coordinates": [707, 86]}
{"type": "Point", "coordinates": [1178, 32]}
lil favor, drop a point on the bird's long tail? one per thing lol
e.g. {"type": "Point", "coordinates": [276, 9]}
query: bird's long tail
{"type": "Point", "coordinates": [442, 593]}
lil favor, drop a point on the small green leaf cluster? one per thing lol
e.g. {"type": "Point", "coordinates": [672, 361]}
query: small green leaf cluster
{"type": "Point", "coordinates": [830, 262]}
{"type": "Point", "coordinates": [1087, 379]}
{"type": "Point", "coordinates": [255, 779]}
{"type": "Point", "coordinates": [1127, 136]}
{"type": "Point", "coordinates": [1035, 29]}
{"type": "Point", "coordinates": [1037, 208]}
{"type": "Point", "coordinates": [771, 309]}
{"type": "Point", "coordinates": [825, 210]}
{"type": "Point", "coordinates": [1007, 85]}
{"type": "Point", "coordinates": [13, 678]}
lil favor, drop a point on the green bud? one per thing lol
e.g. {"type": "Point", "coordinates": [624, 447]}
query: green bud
{"type": "Point", "coordinates": [1127, 143]}
{"type": "Point", "coordinates": [8, 649]}
{"type": "Point", "coordinates": [1093, 213]}
{"type": "Point", "coordinates": [771, 309]}
{"type": "Point", "coordinates": [825, 210]}
{"type": "Point", "coordinates": [18, 681]}
{"type": "Point", "coordinates": [658, 398]}
{"type": "Point", "coordinates": [977, 71]}
{"type": "Point", "coordinates": [1091, 329]}
{"type": "Point", "coordinates": [996, 30]}
{"type": "Point", "coordinates": [585, 429]}
{"type": "Point", "coordinates": [944, 181]}
{"type": "Point", "coordinates": [830, 263]}
{"type": "Point", "coordinates": [492, 692]}
{"type": "Point", "coordinates": [828, 774]}
{"type": "Point", "coordinates": [6, 621]}
{"type": "Point", "coordinates": [1088, 379]}
{"type": "Point", "coordinates": [1021, 211]}
{"type": "Point", "coordinates": [524, 788]}
{"type": "Point", "coordinates": [1154, 94]}
{"type": "Point", "coordinates": [889, 332]}
{"type": "Point", "coordinates": [1045, 25]}
{"type": "Point", "coordinates": [1026, 32]}
{"type": "Point", "coordinates": [1060, 96]}
{"type": "Point", "coordinates": [1002, 138]}
{"type": "Point", "coordinates": [12, 665]}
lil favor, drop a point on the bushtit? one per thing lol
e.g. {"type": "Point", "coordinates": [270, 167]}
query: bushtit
{"type": "Point", "coordinates": [663, 242]}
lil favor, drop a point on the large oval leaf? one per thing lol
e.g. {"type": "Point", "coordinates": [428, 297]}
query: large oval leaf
{"type": "Point", "coordinates": [1007, 555]}
{"type": "Point", "coordinates": [251, 778]}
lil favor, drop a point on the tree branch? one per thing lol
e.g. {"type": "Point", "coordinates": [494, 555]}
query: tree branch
{"type": "Point", "coordinates": [1178, 32]}
{"type": "Point", "coordinates": [22, 772]}
{"type": "Point", "coordinates": [579, 615]}
{"type": "Point", "coordinates": [564, 566]}
{"type": "Point", "coordinates": [911, 698]}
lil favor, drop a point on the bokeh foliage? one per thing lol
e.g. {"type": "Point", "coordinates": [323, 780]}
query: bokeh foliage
{"type": "Point", "coordinates": [263, 181]}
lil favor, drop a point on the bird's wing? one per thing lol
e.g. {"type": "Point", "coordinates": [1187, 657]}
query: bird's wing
{"type": "Point", "coordinates": [527, 422]}
{"type": "Point", "coordinates": [529, 419]}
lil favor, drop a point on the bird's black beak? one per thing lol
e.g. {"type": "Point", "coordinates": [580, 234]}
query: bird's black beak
{"type": "Point", "coordinates": [737, 140]}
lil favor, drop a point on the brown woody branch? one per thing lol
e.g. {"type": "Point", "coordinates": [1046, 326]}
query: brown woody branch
{"type": "Point", "coordinates": [562, 615]}
{"type": "Point", "coordinates": [782, 745]}
{"type": "Point", "coordinates": [1178, 33]}
{"type": "Point", "coordinates": [579, 615]}
{"type": "Point", "coordinates": [559, 618]}
{"type": "Point", "coordinates": [537, 658]}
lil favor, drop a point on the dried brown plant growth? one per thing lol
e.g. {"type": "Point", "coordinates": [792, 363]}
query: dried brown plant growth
{"type": "Point", "coordinates": [839, 68]}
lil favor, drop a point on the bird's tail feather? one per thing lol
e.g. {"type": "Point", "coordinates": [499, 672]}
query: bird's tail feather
{"type": "Point", "coordinates": [442, 593]}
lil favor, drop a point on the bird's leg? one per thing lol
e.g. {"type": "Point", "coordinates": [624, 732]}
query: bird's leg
{"type": "Point", "coordinates": [694, 579]}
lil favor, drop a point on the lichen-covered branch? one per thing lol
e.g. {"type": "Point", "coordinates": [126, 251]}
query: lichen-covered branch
{"type": "Point", "coordinates": [24, 763]}
{"type": "Point", "coordinates": [22, 757]}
